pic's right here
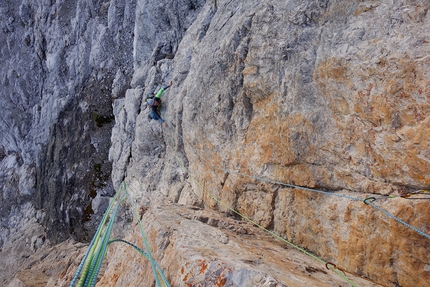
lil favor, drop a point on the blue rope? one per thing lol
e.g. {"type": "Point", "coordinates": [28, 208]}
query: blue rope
{"type": "Point", "coordinates": [399, 220]}
{"type": "Point", "coordinates": [296, 186]}
{"type": "Point", "coordinates": [144, 254]}
{"type": "Point", "coordinates": [99, 229]}
{"type": "Point", "coordinates": [98, 257]}
{"type": "Point", "coordinates": [81, 265]}
{"type": "Point", "coordinates": [145, 241]}
{"type": "Point", "coordinates": [97, 249]}
{"type": "Point", "coordinates": [105, 243]}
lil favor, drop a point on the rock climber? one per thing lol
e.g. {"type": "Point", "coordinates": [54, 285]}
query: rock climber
{"type": "Point", "coordinates": [154, 103]}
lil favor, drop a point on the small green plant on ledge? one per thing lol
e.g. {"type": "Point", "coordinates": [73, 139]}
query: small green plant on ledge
{"type": "Point", "coordinates": [102, 120]}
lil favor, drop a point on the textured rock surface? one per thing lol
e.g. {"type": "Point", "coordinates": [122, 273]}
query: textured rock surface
{"type": "Point", "coordinates": [19, 247]}
{"type": "Point", "coordinates": [38, 269]}
{"type": "Point", "coordinates": [197, 247]}
{"type": "Point", "coordinates": [63, 62]}
{"type": "Point", "coordinates": [324, 94]}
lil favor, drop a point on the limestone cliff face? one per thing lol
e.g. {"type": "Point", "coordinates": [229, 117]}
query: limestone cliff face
{"type": "Point", "coordinates": [330, 95]}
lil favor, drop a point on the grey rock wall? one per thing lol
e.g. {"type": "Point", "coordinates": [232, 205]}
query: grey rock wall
{"type": "Point", "coordinates": [63, 64]}
{"type": "Point", "coordinates": [324, 94]}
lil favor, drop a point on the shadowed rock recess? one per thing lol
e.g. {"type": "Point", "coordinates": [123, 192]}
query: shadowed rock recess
{"type": "Point", "coordinates": [268, 96]}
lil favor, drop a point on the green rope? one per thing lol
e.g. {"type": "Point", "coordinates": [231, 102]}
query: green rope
{"type": "Point", "coordinates": [145, 241]}
{"type": "Point", "coordinates": [92, 261]}
{"type": "Point", "coordinates": [103, 247]}
{"type": "Point", "coordinates": [146, 255]}
{"type": "Point", "coordinates": [86, 261]}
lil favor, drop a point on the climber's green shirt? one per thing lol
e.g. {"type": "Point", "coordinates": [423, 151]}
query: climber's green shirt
{"type": "Point", "coordinates": [158, 95]}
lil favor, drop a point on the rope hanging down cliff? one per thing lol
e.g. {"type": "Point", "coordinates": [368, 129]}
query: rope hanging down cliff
{"type": "Point", "coordinates": [91, 263]}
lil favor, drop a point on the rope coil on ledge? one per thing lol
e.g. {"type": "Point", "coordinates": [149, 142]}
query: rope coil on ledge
{"type": "Point", "coordinates": [90, 265]}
